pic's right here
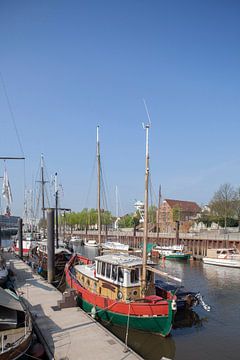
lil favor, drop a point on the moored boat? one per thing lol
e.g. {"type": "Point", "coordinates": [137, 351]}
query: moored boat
{"type": "Point", "coordinates": [39, 257]}
{"type": "Point", "coordinates": [15, 327]}
{"type": "Point", "coordinates": [112, 290]}
{"type": "Point", "coordinates": [229, 257]}
{"type": "Point", "coordinates": [90, 243]}
{"type": "Point", "coordinates": [171, 252]}
{"type": "Point", "coordinates": [28, 243]}
{"type": "Point", "coordinates": [115, 246]}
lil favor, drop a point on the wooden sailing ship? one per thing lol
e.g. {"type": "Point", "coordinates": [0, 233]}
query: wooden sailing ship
{"type": "Point", "coordinates": [119, 288]}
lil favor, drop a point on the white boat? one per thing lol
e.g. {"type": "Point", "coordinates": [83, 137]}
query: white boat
{"type": "Point", "coordinates": [115, 245]}
{"type": "Point", "coordinates": [28, 243]}
{"type": "Point", "coordinates": [223, 257]}
{"type": "Point", "coordinates": [90, 243]}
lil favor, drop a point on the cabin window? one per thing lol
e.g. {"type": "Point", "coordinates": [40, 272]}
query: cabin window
{"type": "Point", "coordinates": [149, 275]}
{"type": "Point", "coordinates": [99, 263]}
{"type": "Point", "coordinates": [108, 272]}
{"type": "Point", "coordinates": [134, 275]}
{"type": "Point", "coordinates": [120, 275]}
{"type": "Point", "coordinates": [114, 272]}
{"type": "Point", "coordinates": [103, 269]}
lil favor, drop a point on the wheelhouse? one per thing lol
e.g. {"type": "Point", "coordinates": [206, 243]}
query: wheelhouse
{"type": "Point", "coordinates": [121, 269]}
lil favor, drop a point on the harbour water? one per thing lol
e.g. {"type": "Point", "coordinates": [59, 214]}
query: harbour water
{"type": "Point", "coordinates": [196, 334]}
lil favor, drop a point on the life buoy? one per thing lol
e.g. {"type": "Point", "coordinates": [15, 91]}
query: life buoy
{"type": "Point", "coordinates": [119, 295]}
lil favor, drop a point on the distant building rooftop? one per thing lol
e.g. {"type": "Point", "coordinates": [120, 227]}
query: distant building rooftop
{"type": "Point", "coordinates": [188, 206]}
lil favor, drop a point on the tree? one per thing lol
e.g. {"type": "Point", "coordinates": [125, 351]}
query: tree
{"type": "Point", "coordinates": [152, 214]}
{"type": "Point", "coordinates": [222, 203]}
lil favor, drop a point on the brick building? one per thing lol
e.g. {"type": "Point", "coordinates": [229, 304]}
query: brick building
{"type": "Point", "coordinates": [172, 210]}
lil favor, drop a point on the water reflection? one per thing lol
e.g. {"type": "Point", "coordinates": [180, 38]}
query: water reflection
{"type": "Point", "coordinates": [89, 252]}
{"type": "Point", "coordinates": [187, 318]}
{"type": "Point", "coordinates": [220, 276]}
{"type": "Point", "coordinates": [149, 346]}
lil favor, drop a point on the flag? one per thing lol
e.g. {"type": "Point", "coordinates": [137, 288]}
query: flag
{"type": "Point", "coordinates": [6, 190]}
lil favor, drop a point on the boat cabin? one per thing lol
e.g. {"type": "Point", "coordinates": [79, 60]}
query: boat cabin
{"type": "Point", "coordinates": [222, 253]}
{"type": "Point", "coordinates": [116, 276]}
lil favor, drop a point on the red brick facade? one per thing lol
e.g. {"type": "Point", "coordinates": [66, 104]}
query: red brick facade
{"type": "Point", "coordinates": [186, 212]}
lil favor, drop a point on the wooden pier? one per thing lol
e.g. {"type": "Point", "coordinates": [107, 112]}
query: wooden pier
{"type": "Point", "coordinates": [66, 333]}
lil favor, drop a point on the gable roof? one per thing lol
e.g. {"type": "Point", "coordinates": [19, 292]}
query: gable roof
{"type": "Point", "coordinates": [188, 206]}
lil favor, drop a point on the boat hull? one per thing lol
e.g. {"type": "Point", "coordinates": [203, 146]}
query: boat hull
{"type": "Point", "coordinates": [222, 262]}
{"type": "Point", "coordinates": [176, 256]}
{"type": "Point", "coordinates": [154, 324]}
{"type": "Point", "coordinates": [148, 317]}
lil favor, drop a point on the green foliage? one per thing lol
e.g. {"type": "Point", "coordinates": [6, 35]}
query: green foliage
{"type": "Point", "coordinates": [223, 203]}
{"type": "Point", "coordinates": [176, 213]}
{"type": "Point", "coordinates": [152, 214]}
{"type": "Point", "coordinates": [126, 221]}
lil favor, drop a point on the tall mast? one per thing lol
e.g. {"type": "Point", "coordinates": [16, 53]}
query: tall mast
{"type": "Point", "coordinates": [43, 192]}
{"type": "Point", "coordinates": [145, 233]}
{"type": "Point", "coordinates": [158, 210]}
{"type": "Point", "coordinates": [56, 208]}
{"type": "Point", "coordinates": [117, 212]}
{"type": "Point", "coordinates": [99, 186]}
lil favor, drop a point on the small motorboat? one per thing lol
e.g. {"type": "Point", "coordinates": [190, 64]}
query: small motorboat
{"type": "Point", "coordinates": [91, 243]}
{"type": "Point", "coordinates": [185, 299]}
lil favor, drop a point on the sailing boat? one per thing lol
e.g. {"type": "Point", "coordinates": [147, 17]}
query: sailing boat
{"type": "Point", "coordinates": [119, 288]}
{"type": "Point", "coordinates": [29, 237]}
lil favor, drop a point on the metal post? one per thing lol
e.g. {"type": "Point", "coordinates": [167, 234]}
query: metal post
{"type": "Point", "coordinates": [20, 238]}
{"type": "Point", "coordinates": [50, 245]}
{"type": "Point", "coordinates": [0, 236]}
{"type": "Point", "coordinates": [177, 231]}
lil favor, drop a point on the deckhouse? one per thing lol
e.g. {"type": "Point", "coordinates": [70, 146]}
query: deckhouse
{"type": "Point", "coordinates": [116, 276]}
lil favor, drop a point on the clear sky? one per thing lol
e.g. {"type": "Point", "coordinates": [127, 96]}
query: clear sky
{"type": "Point", "coordinates": [69, 66]}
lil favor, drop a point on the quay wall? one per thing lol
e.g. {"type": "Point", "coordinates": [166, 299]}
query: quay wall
{"type": "Point", "coordinates": [197, 244]}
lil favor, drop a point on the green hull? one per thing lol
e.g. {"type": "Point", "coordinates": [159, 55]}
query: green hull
{"type": "Point", "coordinates": [157, 324]}
{"type": "Point", "coordinates": [177, 257]}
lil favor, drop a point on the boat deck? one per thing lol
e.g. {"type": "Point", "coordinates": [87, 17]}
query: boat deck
{"type": "Point", "coordinates": [67, 333]}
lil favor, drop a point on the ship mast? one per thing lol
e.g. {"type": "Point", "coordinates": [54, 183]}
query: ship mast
{"type": "Point", "coordinates": [99, 187]}
{"type": "Point", "coordinates": [145, 233]}
{"type": "Point", "coordinates": [43, 192]}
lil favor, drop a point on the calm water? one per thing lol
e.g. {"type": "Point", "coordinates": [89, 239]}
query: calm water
{"type": "Point", "coordinates": [198, 334]}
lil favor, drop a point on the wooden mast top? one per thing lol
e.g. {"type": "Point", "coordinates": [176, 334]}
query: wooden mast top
{"type": "Point", "coordinates": [99, 186]}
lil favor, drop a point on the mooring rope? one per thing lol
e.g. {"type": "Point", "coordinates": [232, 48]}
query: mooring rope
{"type": "Point", "coordinates": [126, 337]}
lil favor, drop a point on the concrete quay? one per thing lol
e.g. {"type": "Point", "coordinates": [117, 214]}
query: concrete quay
{"type": "Point", "coordinates": [69, 333]}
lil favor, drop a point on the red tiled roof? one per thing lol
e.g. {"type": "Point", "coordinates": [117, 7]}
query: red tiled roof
{"type": "Point", "coordinates": [188, 206]}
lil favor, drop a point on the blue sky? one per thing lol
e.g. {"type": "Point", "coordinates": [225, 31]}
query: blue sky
{"type": "Point", "coordinates": [69, 66]}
